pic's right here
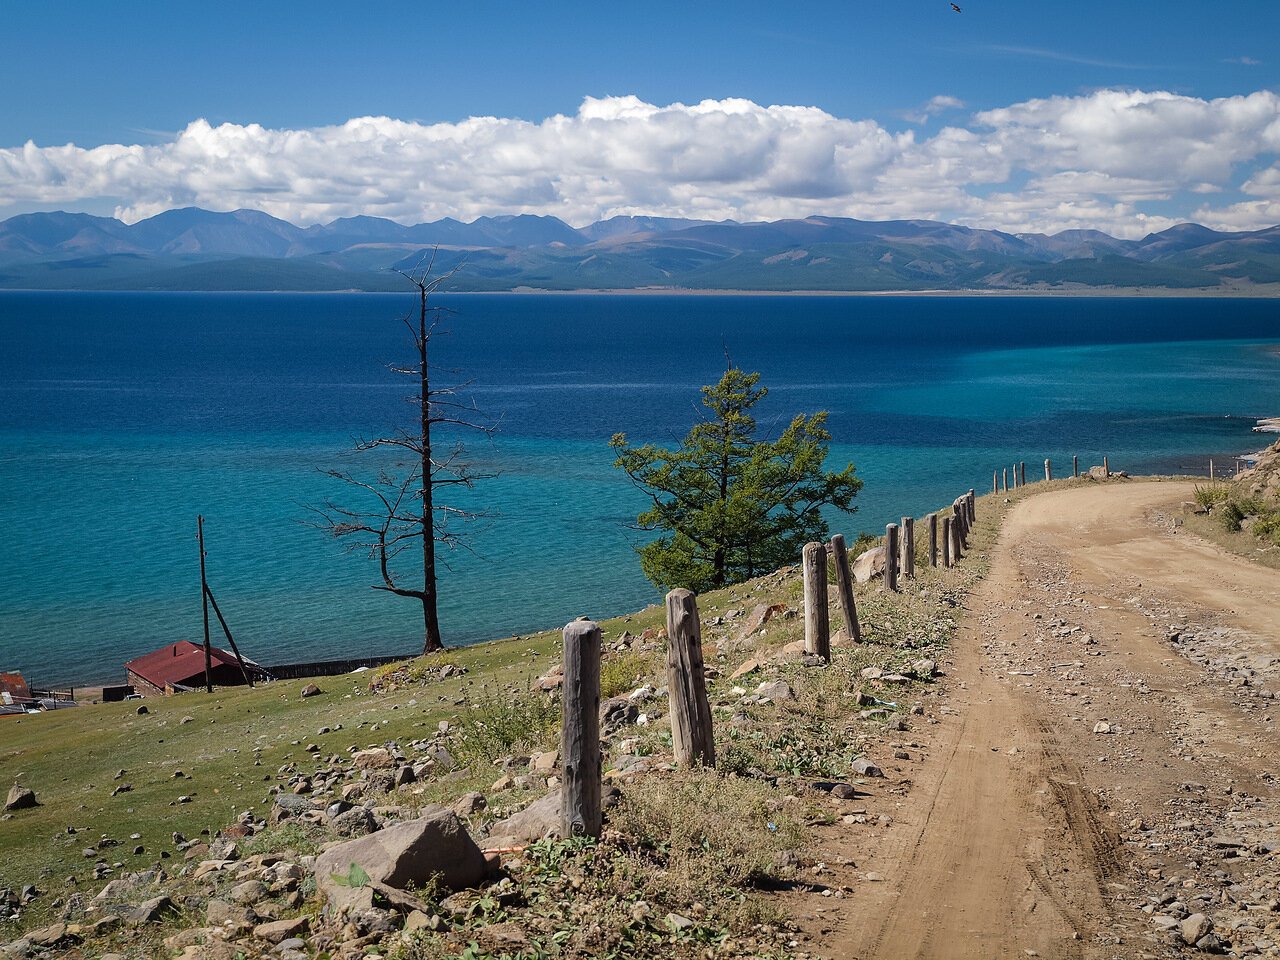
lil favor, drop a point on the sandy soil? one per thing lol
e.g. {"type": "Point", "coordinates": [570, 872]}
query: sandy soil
{"type": "Point", "coordinates": [1015, 825]}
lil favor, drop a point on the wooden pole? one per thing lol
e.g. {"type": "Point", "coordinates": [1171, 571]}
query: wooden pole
{"type": "Point", "coordinates": [580, 810]}
{"type": "Point", "coordinates": [1048, 471]}
{"type": "Point", "coordinates": [973, 506]}
{"type": "Point", "coordinates": [817, 624]}
{"type": "Point", "coordinates": [204, 601]}
{"type": "Point", "coordinates": [1075, 465]}
{"type": "Point", "coordinates": [909, 547]}
{"type": "Point", "coordinates": [230, 639]}
{"type": "Point", "coordinates": [1211, 476]}
{"type": "Point", "coordinates": [692, 738]}
{"type": "Point", "coordinates": [844, 588]}
{"type": "Point", "coordinates": [1022, 473]}
{"type": "Point", "coordinates": [1106, 467]}
{"type": "Point", "coordinates": [1006, 479]}
{"type": "Point", "coordinates": [947, 560]}
{"type": "Point", "coordinates": [933, 539]}
{"type": "Point", "coordinates": [957, 539]}
{"type": "Point", "coordinates": [891, 556]}
{"type": "Point", "coordinates": [995, 481]}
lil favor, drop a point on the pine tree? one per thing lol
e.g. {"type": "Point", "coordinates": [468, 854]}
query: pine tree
{"type": "Point", "coordinates": [732, 506]}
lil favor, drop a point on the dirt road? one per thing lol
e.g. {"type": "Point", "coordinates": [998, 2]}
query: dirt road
{"type": "Point", "coordinates": [1105, 763]}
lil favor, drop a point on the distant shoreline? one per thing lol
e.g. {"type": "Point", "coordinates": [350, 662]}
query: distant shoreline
{"type": "Point", "coordinates": [1258, 292]}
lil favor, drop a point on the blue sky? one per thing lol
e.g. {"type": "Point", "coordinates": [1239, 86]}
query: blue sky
{"type": "Point", "coordinates": [138, 75]}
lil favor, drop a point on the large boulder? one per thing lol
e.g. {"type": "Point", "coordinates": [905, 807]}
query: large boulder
{"type": "Point", "coordinates": [869, 565]}
{"type": "Point", "coordinates": [540, 819]}
{"type": "Point", "coordinates": [20, 798]}
{"type": "Point", "coordinates": [410, 853]}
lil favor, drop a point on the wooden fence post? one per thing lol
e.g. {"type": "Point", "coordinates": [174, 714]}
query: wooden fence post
{"type": "Point", "coordinates": [1006, 479]}
{"type": "Point", "coordinates": [692, 738]}
{"type": "Point", "coordinates": [1048, 471]}
{"type": "Point", "coordinates": [1075, 466]}
{"type": "Point", "coordinates": [909, 547]}
{"type": "Point", "coordinates": [891, 556]}
{"type": "Point", "coordinates": [817, 624]}
{"type": "Point", "coordinates": [995, 481]}
{"type": "Point", "coordinates": [844, 588]}
{"type": "Point", "coordinates": [957, 538]}
{"type": "Point", "coordinates": [1022, 473]}
{"type": "Point", "coordinates": [946, 540]}
{"type": "Point", "coordinates": [1106, 467]}
{"type": "Point", "coordinates": [973, 505]}
{"type": "Point", "coordinates": [1211, 476]}
{"type": "Point", "coordinates": [580, 812]}
{"type": "Point", "coordinates": [933, 539]}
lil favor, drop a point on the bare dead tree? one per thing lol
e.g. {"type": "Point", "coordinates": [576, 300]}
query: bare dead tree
{"type": "Point", "coordinates": [405, 507]}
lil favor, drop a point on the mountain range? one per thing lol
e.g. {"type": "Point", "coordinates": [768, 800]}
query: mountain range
{"type": "Point", "coordinates": [194, 249]}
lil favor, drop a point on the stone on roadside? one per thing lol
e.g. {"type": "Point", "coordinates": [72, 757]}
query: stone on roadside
{"type": "Point", "coordinates": [924, 668]}
{"type": "Point", "coordinates": [310, 690]}
{"type": "Point", "coordinates": [776, 690]}
{"type": "Point", "coordinates": [748, 666]}
{"type": "Point", "coordinates": [536, 821]}
{"type": "Point", "coordinates": [1102, 727]}
{"type": "Point", "coordinates": [865, 768]}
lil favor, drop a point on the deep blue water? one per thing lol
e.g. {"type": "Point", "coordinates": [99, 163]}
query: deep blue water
{"type": "Point", "coordinates": [123, 416]}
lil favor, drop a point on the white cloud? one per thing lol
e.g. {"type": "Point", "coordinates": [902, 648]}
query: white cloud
{"type": "Point", "coordinates": [935, 105]}
{"type": "Point", "coordinates": [1099, 160]}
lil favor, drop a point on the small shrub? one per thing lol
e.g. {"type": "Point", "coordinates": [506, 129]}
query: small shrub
{"type": "Point", "coordinates": [1210, 494]}
{"type": "Point", "coordinates": [621, 674]}
{"type": "Point", "coordinates": [495, 727]}
{"type": "Point", "coordinates": [1230, 515]}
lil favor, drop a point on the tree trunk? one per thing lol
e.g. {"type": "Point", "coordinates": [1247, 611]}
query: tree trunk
{"type": "Point", "coordinates": [432, 640]}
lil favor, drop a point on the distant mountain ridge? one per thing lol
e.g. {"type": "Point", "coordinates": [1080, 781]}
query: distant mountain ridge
{"type": "Point", "coordinates": [195, 249]}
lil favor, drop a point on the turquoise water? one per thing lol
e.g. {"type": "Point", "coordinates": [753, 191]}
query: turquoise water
{"type": "Point", "coordinates": [122, 416]}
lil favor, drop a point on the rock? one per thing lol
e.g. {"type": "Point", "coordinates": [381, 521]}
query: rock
{"type": "Point", "coordinates": [142, 711]}
{"type": "Point", "coordinates": [151, 911]}
{"type": "Point", "coordinates": [551, 680]}
{"type": "Point", "coordinates": [677, 922]}
{"type": "Point", "coordinates": [1194, 927]}
{"type": "Point", "coordinates": [540, 819]}
{"type": "Point", "coordinates": [1102, 727]}
{"type": "Point", "coordinates": [377, 758]}
{"type": "Point", "coordinates": [866, 768]}
{"type": "Point", "coordinates": [616, 713]}
{"type": "Point", "coordinates": [310, 690]}
{"type": "Point", "coordinates": [776, 690]}
{"type": "Point", "coordinates": [924, 669]}
{"type": "Point", "coordinates": [20, 798]}
{"type": "Point", "coordinates": [544, 763]}
{"type": "Point", "coordinates": [413, 852]}
{"type": "Point", "coordinates": [869, 565]}
{"type": "Point", "coordinates": [504, 939]}
{"type": "Point", "coordinates": [50, 936]}
{"type": "Point", "coordinates": [470, 803]}
{"type": "Point", "coordinates": [249, 892]}
{"type": "Point", "coordinates": [277, 931]}
{"type": "Point", "coordinates": [760, 615]}
{"type": "Point", "coordinates": [871, 673]}
{"type": "Point", "coordinates": [748, 666]}
{"type": "Point", "coordinates": [219, 913]}
{"type": "Point", "coordinates": [1098, 473]}
{"type": "Point", "coordinates": [356, 822]}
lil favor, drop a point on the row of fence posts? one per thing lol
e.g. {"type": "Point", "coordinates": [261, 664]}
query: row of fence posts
{"type": "Point", "coordinates": [1000, 476]}
{"type": "Point", "coordinates": [692, 736]}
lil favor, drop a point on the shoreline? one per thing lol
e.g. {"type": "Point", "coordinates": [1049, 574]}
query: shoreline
{"type": "Point", "coordinates": [1258, 292]}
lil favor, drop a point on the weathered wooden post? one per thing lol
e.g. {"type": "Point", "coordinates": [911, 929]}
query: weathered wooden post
{"type": "Point", "coordinates": [580, 813]}
{"type": "Point", "coordinates": [1048, 471]}
{"type": "Point", "coordinates": [891, 556]}
{"type": "Point", "coordinates": [692, 738]}
{"type": "Point", "coordinates": [957, 539]}
{"type": "Point", "coordinates": [1211, 476]}
{"type": "Point", "coordinates": [1106, 467]}
{"type": "Point", "coordinates": [1006, 479]}
{"type": "Point", "coordinates": [995, 481]}
{"type": "Point", "coordinates": [947, 560]}
{"type": "Point", "coordinates": [973, 505]}
{"type": "Point", "coordinates": [817, 625]}
{"type": "Point", "coordinates": [933, 539]}
{"type": "Point", "coordinates": [909, 547]}
{"type": "Point", "coordinates": [1022, 473]}
{"type": "Point", "coordinates": [844, 588]}
{"type": "Point", "coordinates": [1075, 466]}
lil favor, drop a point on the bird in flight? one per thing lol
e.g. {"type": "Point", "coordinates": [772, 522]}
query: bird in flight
{"type": "Point", "coordinates": [956, 8]}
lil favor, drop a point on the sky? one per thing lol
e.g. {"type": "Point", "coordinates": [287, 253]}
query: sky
{"type": "Point", "coordinates": [1025, 116]}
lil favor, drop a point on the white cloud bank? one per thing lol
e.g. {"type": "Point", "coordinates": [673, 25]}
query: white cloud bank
{"type": "Point", "coordinates": [1127, 162]}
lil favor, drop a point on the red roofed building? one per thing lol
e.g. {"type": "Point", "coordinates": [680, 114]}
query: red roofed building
{"type": "Point", "coordinates": [180, 666]}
